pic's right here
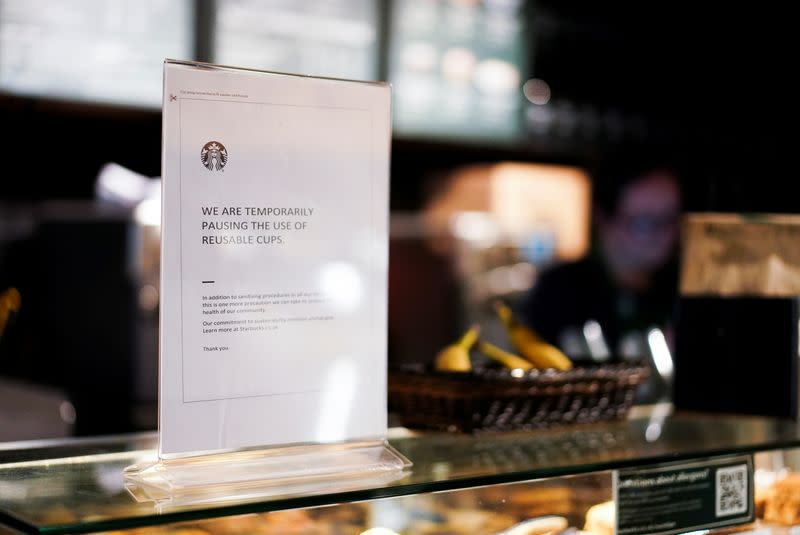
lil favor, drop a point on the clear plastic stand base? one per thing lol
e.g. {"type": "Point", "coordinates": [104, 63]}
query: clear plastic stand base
{"type": "Point", "coordinates": [253, 474]}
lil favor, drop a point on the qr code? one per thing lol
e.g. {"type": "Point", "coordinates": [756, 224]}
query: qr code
{"type": "Point", "coordinates": [732, 488]}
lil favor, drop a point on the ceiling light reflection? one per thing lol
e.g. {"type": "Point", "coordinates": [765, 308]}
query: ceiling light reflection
{"type": "Point", "coordinates": [537, 91]}
{"type": "Point", "coordinates": [342, 285]}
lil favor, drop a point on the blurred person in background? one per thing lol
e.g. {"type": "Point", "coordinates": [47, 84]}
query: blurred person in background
{"type": "Point", "coordinates": [602, 306]}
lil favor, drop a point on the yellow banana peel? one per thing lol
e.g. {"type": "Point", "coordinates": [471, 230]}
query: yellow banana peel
{"type": "Point", "coordinates": [12, 298]}
{"type": "Point", "coordinates": [541, 354]}
{"type": "Point", "coordinates": [455, 357]}
{"type": "Point", "coordinates": [509, 360]}
{"type": "Point", "coordinates": [10, 301]}
{"type": "Point", "coordinates": [529, 344]}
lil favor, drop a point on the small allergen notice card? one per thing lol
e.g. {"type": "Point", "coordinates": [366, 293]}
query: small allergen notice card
{"type": "Point", "coordinates": [274, 259]}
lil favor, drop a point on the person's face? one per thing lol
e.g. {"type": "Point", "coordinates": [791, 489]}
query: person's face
{"type": "Point", "coordinates": [644, 229]}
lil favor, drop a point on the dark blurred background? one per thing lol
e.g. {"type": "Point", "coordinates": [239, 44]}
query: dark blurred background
{"type": "Point", "coordinates": [482, 90]}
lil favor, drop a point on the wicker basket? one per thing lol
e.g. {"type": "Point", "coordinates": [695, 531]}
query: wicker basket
{"type": "Point", "coordinates": [496, 400]}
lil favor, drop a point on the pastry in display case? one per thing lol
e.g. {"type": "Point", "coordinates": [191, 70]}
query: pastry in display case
{"type": "Point", "coordinates": [556, 480]}
{"type": "Point", "coordinates": [600, 519]}
{"type": "Point", "coordinates": [780, 502]}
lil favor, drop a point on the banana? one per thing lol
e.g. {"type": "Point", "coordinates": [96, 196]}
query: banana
{"type": "Point", "coordinates": [509, 360]}
{"type": "Point", "coordinates": [529, 344]}
{"type": "Point", "coordinates": [455, 357]}
{"type": "Point", "coordinates": [10, 301]}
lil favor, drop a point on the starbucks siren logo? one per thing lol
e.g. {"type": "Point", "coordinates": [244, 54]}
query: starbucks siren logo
{"type": "Point", "coordinates": [214, 156]}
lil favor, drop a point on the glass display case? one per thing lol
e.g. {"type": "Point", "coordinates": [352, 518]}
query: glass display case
{"type": "Point", "coordinates": [557, 480]}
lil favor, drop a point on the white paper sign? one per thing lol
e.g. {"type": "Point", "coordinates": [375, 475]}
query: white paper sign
{"type": "Point", "coordinates": [274, 259]}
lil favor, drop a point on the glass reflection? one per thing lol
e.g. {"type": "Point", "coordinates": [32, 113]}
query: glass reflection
{"type": "Point", "coordinates": [338, 395]}
{"type": "Point", "coordinates": [342, 285]}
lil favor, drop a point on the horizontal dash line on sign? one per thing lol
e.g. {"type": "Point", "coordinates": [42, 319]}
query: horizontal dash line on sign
{"type": "Point", "coordinates": [208, 282]}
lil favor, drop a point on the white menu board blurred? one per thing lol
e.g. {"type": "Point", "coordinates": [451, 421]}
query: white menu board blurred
{"type": "Point", "coordinates": [108, 51]}
{"type": "Point", "coordinates": [457, 68]}
{"type": "Point", "coordinates": [274, 259]}
{"type": "Point", "coordinates": [333, 38]}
